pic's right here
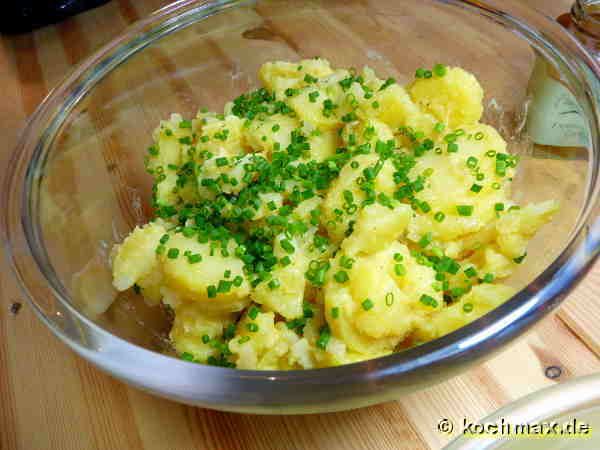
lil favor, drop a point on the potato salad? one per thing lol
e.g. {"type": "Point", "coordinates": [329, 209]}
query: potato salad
{"type": "Point", "coordinates": [328, 217]}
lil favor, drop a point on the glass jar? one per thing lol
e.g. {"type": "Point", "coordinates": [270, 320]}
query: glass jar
{"type": "Point", "coordinates": [555, 122]}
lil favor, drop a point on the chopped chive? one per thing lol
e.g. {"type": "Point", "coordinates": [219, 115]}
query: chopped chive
{"type": "Point", "coordinates": [389, 298]}
{"type": "Point", "coordinates": [468, 307]}
{"type": "Point", "coordinates": [499, 207]}
{"type": "Point", "coordinates": [195, 258]}
{"type": "Point", "coordinates": [439, 216]}
{"type": "Point", "coordinates": [471, 272]}
{"type": "Point", "coordinates": [229, 331]}
{"type": "Point", "coordinates": [427, 300]}
{"type": "Point", "coordinates": [464, 210]}
{"type": "Point", "coordinates": [187, 356]}
{"type": "Point", "coordinates": [285, 261]}
{"type": "Point", "coordinates": [488, 278]}
{"type": "Point", "coordinates": [341, 276]}
{"type": "Point", "coordinates": [324, 337]}
{"type": "Point", "coordinates": [287, 246]}
{"type": "Point", "coordinates": [221, 162]}
{"type": "Point", "coordinates": [335, 312]}
{"type": "Point", "coordinates": [253, 312]}
{"type": "Point", "coordinates": [387, 83]}
{"type": "Point", "coordinates": [425, 240]}
{"type": "Point", "coordinates": [173, 253]}
{"type": "Point", "coordinates": [439, 70]}
{"type": "Point", "coordinates": [500, 168]}
{"type": "Point", "coordinates": [398, 257]}
{"type": "Point", "coordinates": [399, 269]}
{"type": "Point", "coordinates": [367, 304]}
{"type": "Point", "coordinates": [520, 259]}
{"type": "Point", "coordinates": [252, 327]}
{"type": "Point", "coordinates": [476, 188]}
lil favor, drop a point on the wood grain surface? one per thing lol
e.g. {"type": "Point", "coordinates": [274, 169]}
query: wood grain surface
{"type": "Point", "coordinates": [52, 399]}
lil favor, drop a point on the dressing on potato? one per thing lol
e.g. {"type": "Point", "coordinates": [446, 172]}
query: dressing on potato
{"type": "Point", "coordinates": [328, 217]}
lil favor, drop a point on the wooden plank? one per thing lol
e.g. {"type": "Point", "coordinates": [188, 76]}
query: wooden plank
{"type": "Point", "coordinates": [581, 311]}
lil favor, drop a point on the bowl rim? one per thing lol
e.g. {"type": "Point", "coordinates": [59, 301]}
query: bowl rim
{"type": "Point", "coordinates": [580, 394]}
{"type": "Point", "coordinates": [470, 342]}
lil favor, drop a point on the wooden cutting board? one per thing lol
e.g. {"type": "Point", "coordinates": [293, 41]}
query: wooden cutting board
{"type": "Point", "coordinates": [52, 399]}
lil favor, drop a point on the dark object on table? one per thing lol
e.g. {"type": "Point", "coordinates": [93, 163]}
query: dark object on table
{"type": "Point", "coordinates": [20, 16]}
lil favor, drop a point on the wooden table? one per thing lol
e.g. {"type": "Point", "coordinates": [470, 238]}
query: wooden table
{"type": "Point", "coordinates": [52, 399]}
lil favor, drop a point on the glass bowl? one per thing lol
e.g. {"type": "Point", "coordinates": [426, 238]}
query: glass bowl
{"type": "Point", "coordinates": [573, 405]}
{"type": "Point", "coordinates": [77, 185]}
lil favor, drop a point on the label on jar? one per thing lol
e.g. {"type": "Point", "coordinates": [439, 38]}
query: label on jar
{"type": "Point", "coordinates": [555, 117]}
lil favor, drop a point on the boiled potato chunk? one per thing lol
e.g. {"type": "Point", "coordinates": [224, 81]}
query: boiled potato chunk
{"type": "Point", "coordinates": [314, 112]}
{"type": "Point", "coordinates": [336, 216]}
{"type": "Point", "coordinates": [191, 324]}
{"type": "Point", "coordinates": [150, 285]}
{"type": "Point", "coordinates": [517, 227]}
{"type": "Point", "coordinates": [225, 137]}
{"type": "Point", "coordinates": [280, 75]}
{"type": "Point", "coordinates": [261, 344]}
{"type": "Point", "coordinates": [376, 227]}
{"type": "Point", "coordinates": [192, 281]}
{"type": "Point", "coordinates": [479, 301]}
{"type": "Point", "coordinates": [277, 129]}
{"type": "Point", "coordinates": [450, 184]}
{"type": "Point", "coordinates": [455, 99]}
{"type": "Point", "coordinates": [396, 109]}
{"type": "Point", "coordinates": [136, 256]}
{"type": "Point", "coordinates": [323, 144]}
{"type": "Point", "coordinates": [287, 299]}
{"type": "Point", "coordinates": [377, 308]}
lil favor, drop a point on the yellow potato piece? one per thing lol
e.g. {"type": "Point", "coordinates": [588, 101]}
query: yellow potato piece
{"type": "Point", "coordinates": [279, 75]}
{"type": "Point", "coordinates": [136, 256]}
{"type": "Point", "coordinates": [517, 227]}
{"type": "Point", "coordinates": [191, 324]}
{"type": "Point", "coordinates": [287, 299]}
{"type": "Point", "coordinates": [394, 107]}
{"type": "Point", "coordinates": [455, 99]}
{"type": "Point", "coordinates": [263, 135]}
{"type": "Point", "coordinates": [376, 227]}
{"type": "Point", "coordinates": [393, 301]}
{"type": "Point", "coordinates": [191, 281]}
{"type": "Point", "coordinates": [482, 299]}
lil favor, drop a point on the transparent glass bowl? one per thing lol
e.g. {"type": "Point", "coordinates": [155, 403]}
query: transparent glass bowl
{"type": "Point", "coordinates": [570, 404]}
{"type": "Point", "coordinates": [77, 184]}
